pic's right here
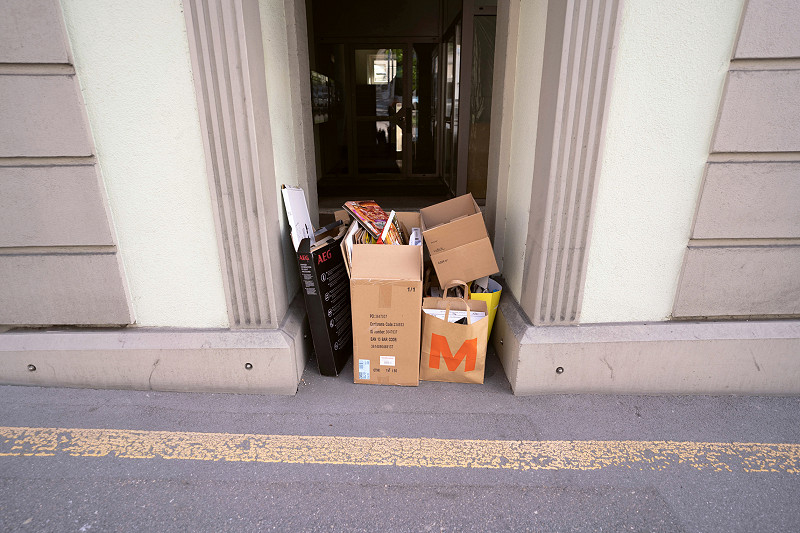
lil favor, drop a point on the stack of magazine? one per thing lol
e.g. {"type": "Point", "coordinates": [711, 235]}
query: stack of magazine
{"type": "Point", "coordinates": [373, 226]}
{"type": "Point", "coordinates": [383, 228]}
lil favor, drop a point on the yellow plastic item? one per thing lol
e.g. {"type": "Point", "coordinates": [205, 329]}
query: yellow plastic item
{"type": "Point", "coordinates": [492, 300]}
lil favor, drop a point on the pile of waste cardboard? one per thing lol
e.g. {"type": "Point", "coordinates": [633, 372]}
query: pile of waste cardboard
{"type": "Point", "coordinates": [406, 294]}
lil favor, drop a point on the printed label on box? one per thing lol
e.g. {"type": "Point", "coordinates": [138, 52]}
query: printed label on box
{"type": "Point", "coordinates": [363, 369]}
{"type": "Point", "coordinates": [387, 360]}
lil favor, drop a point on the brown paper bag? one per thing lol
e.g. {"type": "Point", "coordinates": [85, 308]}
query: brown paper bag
{"type": "Point", "coordinates": [453, 352]}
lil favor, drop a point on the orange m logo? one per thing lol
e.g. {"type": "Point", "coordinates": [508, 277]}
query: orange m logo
{"type": "Point", "coordinates": [440, 348]}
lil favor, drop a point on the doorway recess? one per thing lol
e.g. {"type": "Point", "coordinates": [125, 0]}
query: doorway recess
{"type": "Point", "coordinates": [390, 88]}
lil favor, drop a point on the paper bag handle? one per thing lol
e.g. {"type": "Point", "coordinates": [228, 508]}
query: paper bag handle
{"type": "Point", "coordinates": [455, 283]}
{"type": "Point", "coordinates": [451, 285]}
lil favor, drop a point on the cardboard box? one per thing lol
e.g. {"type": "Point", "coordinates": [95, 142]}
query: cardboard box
{"type": "Point", "coordinates": [325, 290]}
{"type": "Point", "coordinates": [386, 296]}
{"type": "Point", "coordinates": [456, 237]}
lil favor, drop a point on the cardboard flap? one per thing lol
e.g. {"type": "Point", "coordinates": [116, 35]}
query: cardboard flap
{"type": "Point", "coordinates": [334, 231]}
{"type": "Point", "coordinates": [386, 261]}
{"type": "Point", "coordinates": [409, 219]}
{"type": "Point", "coordinates": [448, 210]}
{"type": "Point", "coordinates": [330, 237]}
{"type": "Point", "coordinates": [470, 261]}
{"type": "Point", "coordinates": [466, 230]}
{"type": "Point", "coordinates": [294, 200]}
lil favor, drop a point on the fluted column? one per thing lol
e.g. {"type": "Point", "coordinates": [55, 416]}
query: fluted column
{"type": "Point", "coordinates": [228, 65]}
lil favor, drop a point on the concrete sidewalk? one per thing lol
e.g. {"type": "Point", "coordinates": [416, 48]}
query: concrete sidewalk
{"type": "Point", "coordinates": [209, 462]}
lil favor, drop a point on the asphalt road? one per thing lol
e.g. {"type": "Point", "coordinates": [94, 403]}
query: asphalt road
{"type": "Point", "coordinates": [440, 457]}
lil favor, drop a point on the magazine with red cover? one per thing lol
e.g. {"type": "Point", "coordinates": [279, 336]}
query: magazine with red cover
{"type": "Point", "coordinates": [370, 215]}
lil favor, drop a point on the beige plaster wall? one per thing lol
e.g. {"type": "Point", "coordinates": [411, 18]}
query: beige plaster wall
{"type": "Point", "coordinates": [132, 61]}
{"type": "Point", "coordinates": [523, 113]}
{"type": "Point", "coordinates": [671, 65]}
{"type": "Point", "coordinates": [743, 258]}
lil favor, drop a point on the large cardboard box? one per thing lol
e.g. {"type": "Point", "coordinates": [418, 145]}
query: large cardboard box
{"type": "Point", "coordinates": [456, 237]}
{"type": "Point", "coordinates": [325, 290]}
{"type": "Point", "coordinates": [386, 297]}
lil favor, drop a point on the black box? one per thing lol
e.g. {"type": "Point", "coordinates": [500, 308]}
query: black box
{"type": "Point", "coordinates": [326, 291]}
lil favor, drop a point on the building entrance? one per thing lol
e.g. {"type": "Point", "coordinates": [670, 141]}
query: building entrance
{"type": "Point", "coordinates": [388, 108]}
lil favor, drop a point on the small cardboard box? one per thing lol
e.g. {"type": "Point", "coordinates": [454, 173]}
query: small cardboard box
{"type": "Point", "coordinates": [386, 296]}
{"type": "Point", "coordinates": [325, 290]}
{"type": "Point", "coordinates": [456, 237]}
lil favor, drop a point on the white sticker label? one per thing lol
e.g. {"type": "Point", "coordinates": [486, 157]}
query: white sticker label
{"type": "Point", "coordinates": [387, 360]}
{"type": "Point", "coordinates": [363, 369]}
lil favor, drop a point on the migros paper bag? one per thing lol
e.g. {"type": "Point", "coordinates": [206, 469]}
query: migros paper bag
{"type": "Point", "coordinates": [452, 351]}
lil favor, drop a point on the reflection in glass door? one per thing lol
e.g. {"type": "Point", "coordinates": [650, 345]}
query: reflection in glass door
{"type": "Point", "coordinates": [399, 117]}
{"type": "Point", "coordinates": [392, 114]}
{"type": "Point", "coordinates": [379, 115]}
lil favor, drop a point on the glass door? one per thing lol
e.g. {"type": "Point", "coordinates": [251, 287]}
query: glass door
{"type": "Point", "coordinates": [391, 137]}
{"type": "Point", "coordinates": [380, 111]}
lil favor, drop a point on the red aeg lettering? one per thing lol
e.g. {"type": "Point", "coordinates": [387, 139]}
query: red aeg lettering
{"type": "Point", "coordinates": [440, 348]}
{"type": "Point", "coordinates": [303, 257]}
{"type": "Point", "coordinates": [324, 256]}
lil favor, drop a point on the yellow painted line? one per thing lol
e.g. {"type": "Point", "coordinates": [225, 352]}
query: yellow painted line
{"type": "Point", "coordinates": [408, 452]}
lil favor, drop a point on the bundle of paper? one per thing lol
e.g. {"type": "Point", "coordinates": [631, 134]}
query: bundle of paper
{"type": "Point", "coordinates": [455, 315]}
